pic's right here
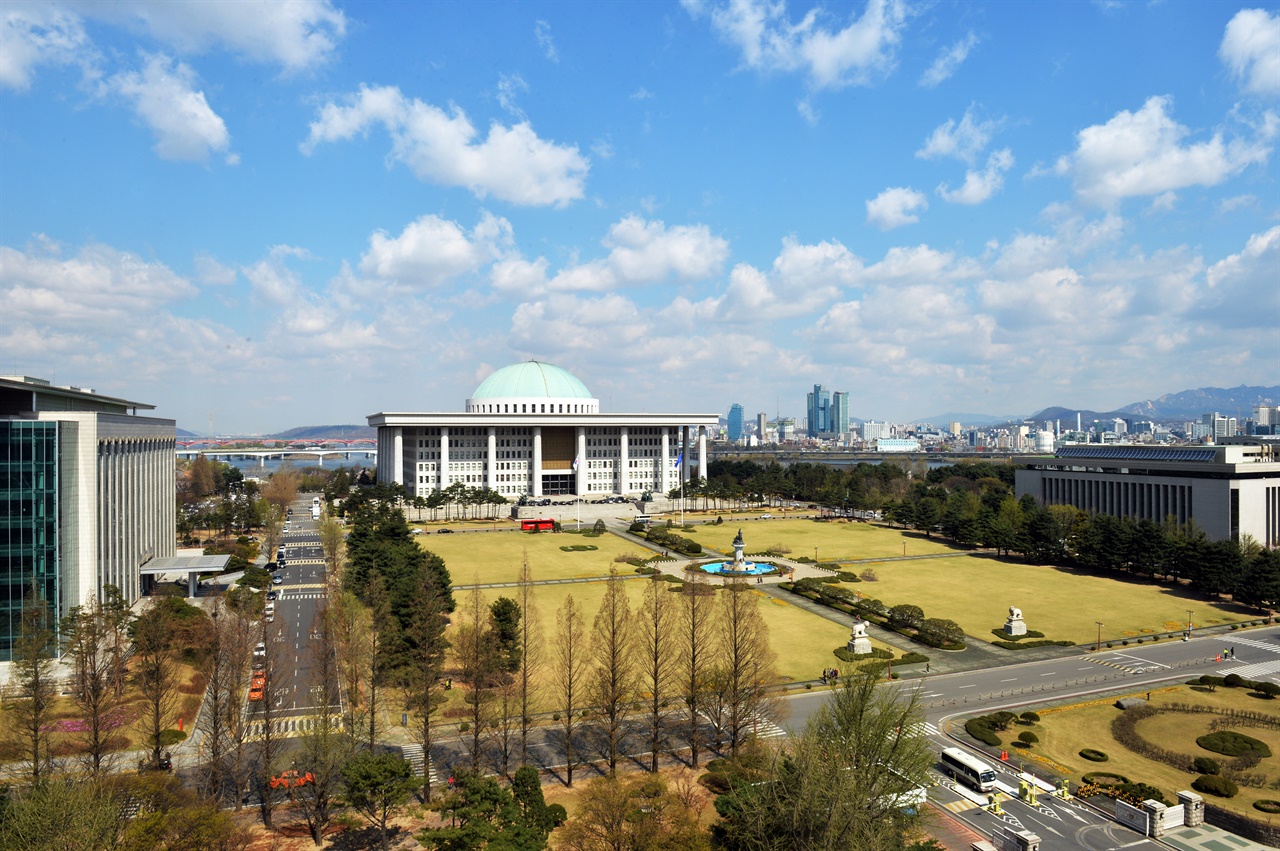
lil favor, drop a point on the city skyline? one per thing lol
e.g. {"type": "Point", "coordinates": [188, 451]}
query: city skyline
{"type": "Point", "coordinates": [289, 214]}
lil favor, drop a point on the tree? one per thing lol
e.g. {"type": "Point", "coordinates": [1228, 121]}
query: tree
{"type": "Point", "coordinates": [656, 661]}
{"type": "Point", "coordinates": [325, 746]}
{"type": "Point", "coordinates": [906, 616]}
{"type": "Point", "coordinates": [225, 671]}
{"type": "Point", "coordinates": [530, 647]}
{"type": "Point", "coordinates": [89, 815]}
{"type": "Point", "coordinates": [377, 785]}
{"type": "Point", "coordinates": [86, 646]}
{"type": "Point", "coordinates": [353, 644]}
{"type": "Point", "coordinates": [572, 666]}
{"type": "Point", "coordinates": [504, 623]}
{"type": "Point", "coordinates": [746, 663]}
{"type": "Point", "coordinates": [696, 627]}
{"type": "Point", "coordinates": [33, 666]}
{"type": "Point", "coordinates": [941, 631]}
{"type": "Point", "coordinates": [613, 681]}
{"type": "Point", "coordinates": [155, 675]}
{"type": "Point", "coordinates": [118, 616]}
{"type": "Point", "coordinates": [172, 817]}
{"type": "Point", "coordinates": [282, 488]}
{"type": "Point", "coordinates": [479, 666]}
{"type": "Point", "coordinates": [270, 741]}
{"type": "Point", "coordinates": [635, 813]}
{"type": "Point", "coordinates": [429, 647]}
{"type": "Point", "coordinates": [842, 783]}
{"type": "Point", "coordinates": [332, 544]}
{"type": "Point", "coordinates": [482, 814]}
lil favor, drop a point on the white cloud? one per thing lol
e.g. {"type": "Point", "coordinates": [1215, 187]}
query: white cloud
{"type": "Point", "coordinates": [432, 251]}
{"type": "Point", "coordinates": [1242, 288]}
{"type": "Point", "coordinates": [210, 271]}
{"type": "Point", "coordinates": [948, 61]}
{"type": "Point", "coordinates": [1145, 153]}
{"type": "Point", "coordinates": [164, 96]}
{"type": "Point", "coordinates": [511, 163]}
{"type": "Point", "coordinates": [37, 34]}
{"type": "Point", "coordinates": [542, 32]}
{"type": "Point", "coordinates": [510, 87]}
{"type": "Point", "coordinates": [980, 185]}
{"type": "Point", "coordinates": [641, 94]}
{"type": "Point", "coordinates": [895, 207]}
{"type": "Point", "coordinates": [296, 35]}
{"type": "Point", "coordinates": [1251, 50]}
{"type": "Point", "coordinates": [964, 140]}
{"type": "Point", "coordinates": [768, 40]}
{"type": "Point", "coordinates": [100, 289]}
{"type": "Point", "coordinates": [273, 280]}
{"type": "Point", "coordinates": [645, 252]}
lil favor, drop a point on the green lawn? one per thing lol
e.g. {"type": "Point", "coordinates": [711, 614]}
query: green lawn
{"type": "Point", "coordinates": [834, 540]}
{"type": "Point", "coordinates": [1063, 604]}
{"type": "Point", "coordinates": [497, 557]}
{"type": "Point", "coordinates": [802, 642]}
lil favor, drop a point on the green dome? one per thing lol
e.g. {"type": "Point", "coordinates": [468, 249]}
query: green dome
{"type": "Point", "coordinates": [531, 380]}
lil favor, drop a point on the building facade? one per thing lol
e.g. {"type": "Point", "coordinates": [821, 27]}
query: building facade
{"type": "Point", "coordinates": [533, 429]}
{"type": "Point", "coordinates": [839, 414]}
{"type": "Point", "coordinates": [87, 497]}
{"type": "Point", "coordinates": [1227, 490]}
{"type": "Point", "coordinates": [818, 407]}
{"type": "Point", "coordinates": [735, 422]}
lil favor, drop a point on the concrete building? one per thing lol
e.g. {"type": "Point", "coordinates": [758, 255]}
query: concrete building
{"type": "Point", "coordinates": [762, 431]}
{"type": "Point", "coordinates": [533, 429]}
{"type": "Point", "coordinates": [87, 497]}
{"type": "Point", "coordinates": [839, 414]}
{"type": "Point", "coordinates": [1228, 490]}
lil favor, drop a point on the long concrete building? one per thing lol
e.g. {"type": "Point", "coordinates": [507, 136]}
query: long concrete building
{"type": "Point", "coordinates": [87, 497]}
{"type": "Point", "coordinates": [1228, 490]}
{"type": "Point", "coordinates": [533, 429]}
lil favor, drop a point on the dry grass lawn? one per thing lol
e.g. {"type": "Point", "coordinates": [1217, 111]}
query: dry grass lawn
{"type": "Point", "coordinates": [976, 592]}
{"type": "Point", "coordinates": [834, 540]}
{"type": "Point", "coordinates": [496, 557]}
{"type": "Point", "coordinates": [1064, 732]}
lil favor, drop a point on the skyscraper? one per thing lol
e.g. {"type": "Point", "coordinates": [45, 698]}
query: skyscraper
{"type": "Point", "coordinates": [735, 422]}
{"type": "Point", "coordinates": [840, 412]}
{"type": "Point", "coordinates": [819, 408]}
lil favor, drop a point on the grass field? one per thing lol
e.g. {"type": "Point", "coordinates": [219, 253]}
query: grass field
{"type": "Point", "coordinates": [834, 540]}
{"type": "Point", "coordinates": [497, 557]}
{"type": "Point", "coordinates": [802, 642]}
{"type": "Point", "coordinates": [1064, 732]}
{"type": "Point", "coordinates": [1063, 604]}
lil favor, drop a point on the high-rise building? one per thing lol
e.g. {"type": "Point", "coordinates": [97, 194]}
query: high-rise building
{"type": "Point", "coordinates": [87, 497]}
{"type": "Point", "coordinates": [819, 409]}
{"type": "Point", "coordinates": [735, 422]}
{"type": "Point", "coordinates": [839, 412]}
{"type": "Point", "coordinates": [761, 428]}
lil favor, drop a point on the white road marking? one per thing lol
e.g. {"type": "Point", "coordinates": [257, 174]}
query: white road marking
{"type": "Point", "coordinates": [1140, 659]}
{"type": "Point", "coordinates": [971, 685]}
{"type": "Point", "coordinates": [1010, 680]}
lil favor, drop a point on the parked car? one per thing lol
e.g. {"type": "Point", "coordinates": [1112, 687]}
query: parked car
{"type": "Point", "coordinates": [273, 595]}
{"type": "Point", "coordinates": [277, 580]}
{"type": "Point", "coordinates": [444, 531]}
{"type": "Point", "coordinates": [766, 516]}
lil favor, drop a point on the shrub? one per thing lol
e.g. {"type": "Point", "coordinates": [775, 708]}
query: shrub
{"type": "Point", "coordinates": [1212, 784]}
{"type": "Point", "coordinates": [464, 727]}
{"type": "Point", "coordinates": [646, 571]}
{"type": "Point", "coordinates": [1104, 778]}
{"type": "Point", "coordinates": [1028, 738]}
{"type": "Point", "coordinates": [1268, 690]}
{"type": "Point", "coordinates": [980, 731]}
{"type": "Point", "coordinates": [868, 575]}
{"type": "Point", "coordinates": [1267, 806]}
{"type": "Point", "coordinates": [169, 738]}
{"type": "Point", "coordinates": [1136, 793]}
{"type": "Point", "coordinates": [1093, 755]}
{"type": "Point", "coordinates": [846, 576]}
{"type": "Point", "coordinates": [912, 658]}
{"type": "Point", "coordinates": [635, 527]}
{"type": "Point", "coordinates": [1029, 717]}
{"type": "Point", "coordinates": [1205, 765]}
{"type": "Point", "coordinates": [1233, 681]}
{"type": "Point", "coordinates": [1231, 743]}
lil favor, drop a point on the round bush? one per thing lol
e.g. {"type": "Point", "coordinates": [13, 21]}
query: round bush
{"type": "Point", "coordinates": [1030, 717]}
{"type": "Point", "coordinates": [1205, 765]}
{"type": "Point", "coordinates": [1267, 806]}
{"type": "Point", "coordinates": [1093, 755]}
{"type": "Point", "coordinates": [1028, 737]}
{"type": "Point", "coordinates": [1104, 778]}
{"type": "Point", "coordinates": [1231, 743]}
{"type": "Point", "coordinates": [1212, 784]}
{"type": "Point", "coordinates": [169, 738]}
{"type": "Point", "coordinates": [1233, 681]}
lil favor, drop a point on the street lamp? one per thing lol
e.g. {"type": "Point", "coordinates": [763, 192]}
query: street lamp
{"type": "Point", "coordinates": [1189, 614]}
{"type": "Point", "coordinates": [1099, 644]}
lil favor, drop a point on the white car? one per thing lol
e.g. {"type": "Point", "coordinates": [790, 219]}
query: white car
{"type": "Point", "coordinates": [260, 650]}
{"type": "Point", "coordinates": [276, 580]}
{"type": "Point", "coordinates": [766, 516]}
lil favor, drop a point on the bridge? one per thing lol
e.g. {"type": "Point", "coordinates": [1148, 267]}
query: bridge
{"type": "Point", "coordinates": [317, 452]}
{"type": "Point", "coordinates": [271, 442]}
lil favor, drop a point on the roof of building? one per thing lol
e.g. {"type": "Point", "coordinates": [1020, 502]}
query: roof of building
{"type": "Point", "coordinates": [532, 380]}
{"type": "Point", "coordinates": [23, 393]}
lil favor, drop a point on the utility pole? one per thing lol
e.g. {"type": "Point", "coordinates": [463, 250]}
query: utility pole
{"type": "Point", "coordinates": [1099, 644]}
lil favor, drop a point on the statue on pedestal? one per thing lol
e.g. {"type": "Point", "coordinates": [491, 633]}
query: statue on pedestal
{"type": "Point", "coordinates": [859, 642]}
{"type": "Point", "coordinates": [1015, 625]}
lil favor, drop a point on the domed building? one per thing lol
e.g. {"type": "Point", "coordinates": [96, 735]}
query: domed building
{"type": "Point", "coordinates": [534, 429]}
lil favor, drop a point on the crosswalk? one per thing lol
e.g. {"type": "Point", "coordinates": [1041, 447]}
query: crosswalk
{"type": "Point", "coordinates": [288, 728]}
{"type": "Point", "coordinates": [1128, 668]}
{"type": "Point", "coordinates": [960, 806]}
{"type": "Point", "coordinates": [414, 756]}
{"type": "Point", "coordinates": [1254, 669]}
{"type": "Point", "coordinates": [763, 728]}
{"type": "Point", "coordinates": [303, 595]}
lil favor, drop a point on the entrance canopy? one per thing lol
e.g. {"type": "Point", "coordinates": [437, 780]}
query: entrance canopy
{"type": "Point", "coordinates": [193, 566]}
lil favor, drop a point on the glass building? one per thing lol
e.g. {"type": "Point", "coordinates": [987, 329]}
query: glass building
{"type": "Point", "coordinates": [28, 521]}
{"type": "Point", "coordinates": [735, 421]}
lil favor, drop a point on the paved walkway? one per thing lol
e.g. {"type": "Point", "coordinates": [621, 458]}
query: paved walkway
{"type": "Point", "coordinates": [1206, 837]}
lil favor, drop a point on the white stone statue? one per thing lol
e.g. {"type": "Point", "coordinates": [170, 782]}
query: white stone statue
{"type": "Point", "coordinates": [859, 642]}
{"type": "Point", "coordinates": [1015, 624]}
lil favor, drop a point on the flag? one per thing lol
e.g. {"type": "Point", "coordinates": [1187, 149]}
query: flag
{"type": "Point", "coordinates": [575, 463]}
{"type": "Point", "coordinates": [679, 459]}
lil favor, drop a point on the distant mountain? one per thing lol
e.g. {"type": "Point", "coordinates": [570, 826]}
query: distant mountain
{"type": "Point", "coordinates": [182, 432]}
{"type": "Point", "coordinates": [1189, 404]}
{"type": "Point", "coordinates": [968, 419]}
{"type": "Point", "coordinates": [346, 432]}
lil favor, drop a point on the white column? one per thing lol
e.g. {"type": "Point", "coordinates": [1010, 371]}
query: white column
{"type": "Point", "coordinates": [490, 464]}
{"type": "Point", "coordinates": [624, 461]}
{"type": "Point", "coordinates": [664, 481]}
{"type": "Point", "coordinates": [702, 452]}
{"type": "Point", "coordinates": [443, 466]}
{"type": "Point", "coordinates": [684, 453]}
{"type": "Point", "coordinates": [397, 455]}
{"type": "Point", "coordinates": [537, 460]}
{"type": "Point", "coordinates": [581, 454]}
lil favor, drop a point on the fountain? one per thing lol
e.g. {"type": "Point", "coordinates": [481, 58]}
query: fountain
{"type": "Point", "coordinates": [739, 566]}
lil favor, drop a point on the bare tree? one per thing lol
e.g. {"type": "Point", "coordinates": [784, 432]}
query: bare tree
{"type": "Point", "coordinates": [219, 719]}
{"type": "Point", "coordinates": [695, 632]}
{"type": "Point", "coordinates": [746, 663]}
{"type": "Point", "coordinates": [530, 655]}
{"type": "Point", "coordinates": [427, 631]}
{"type": "Point", "coordinates": [572, 667]}
{"type": "Point", "coordinates": [272, 529]}
{"type": "Point", "coordinates": [155, 675]}
{"type": "Point", "coordinates": [376, 663]}
{"type": "Point", "coordinates": [269, 740]}
{"type": "Point", "coordinates": [33, 666]}
{"type": "Point", "coordinates": [478, 667]}
{"type": "Point", "coordinates": [325, 746]}
{"type": "Point", "coordinates": [353, 642]}
{"type": "Point", "coordinates": [331, 542]}
{"type": "Point", "coordinates": [282, 488]}
{"type": "Point", "coordinates": [613, 680]}
{"type": "Point", "coordinates": [118, 618]}
{"type": "Point", "coordinates": [656, 660]}
{"type": "Point", "coordinates": [86, 645]}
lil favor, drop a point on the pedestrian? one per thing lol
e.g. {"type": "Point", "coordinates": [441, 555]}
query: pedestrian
{"type": "Point", "coordinates": [926, 667]}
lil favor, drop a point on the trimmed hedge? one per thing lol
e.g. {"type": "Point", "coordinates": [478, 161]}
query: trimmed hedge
{"type": "Point", "coordinates": [1267, 806]}
{"type": "Point", "coordinates": [1105, 778]}
{"type": "Point", "coordinates": [1028, 737]}
{"type": "Point", "coordinates": [1004, 636]}
{"type": "Point", "coordinates": [1094, 755]}
{"type": "Point", "coordinates": [974, 727]}
{"type": "Point", "coordinates": [1025, 645]}
{"type": "Point", "coordinates": [1205, 765]}
{"type": "Point", "coordinates": [1029, 717]}
{"type": "Point", "coordinates": [1231, 743]}
{"type": "Point", "coordinates": [912, 658]}
{"type": "Point", "coordinates": [1212, 784]}
{"type": "Point", "coordinates": [580, 548]}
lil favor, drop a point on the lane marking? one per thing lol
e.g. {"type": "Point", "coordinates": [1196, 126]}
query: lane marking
{"type": "Point", "coordinates": [1010, 680]}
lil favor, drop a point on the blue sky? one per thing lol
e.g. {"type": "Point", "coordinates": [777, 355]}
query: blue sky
{"type": "Point", "coordinates": [285, 214]}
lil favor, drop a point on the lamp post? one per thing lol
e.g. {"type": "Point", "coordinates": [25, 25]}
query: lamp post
{"type": "Point", "coordinates": [1189, 614]}
{"type": "Point", "coordinates": [1098, 646]}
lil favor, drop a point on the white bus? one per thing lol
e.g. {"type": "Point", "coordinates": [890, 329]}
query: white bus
{"type": "Point", "coordinates": [972, 772]}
